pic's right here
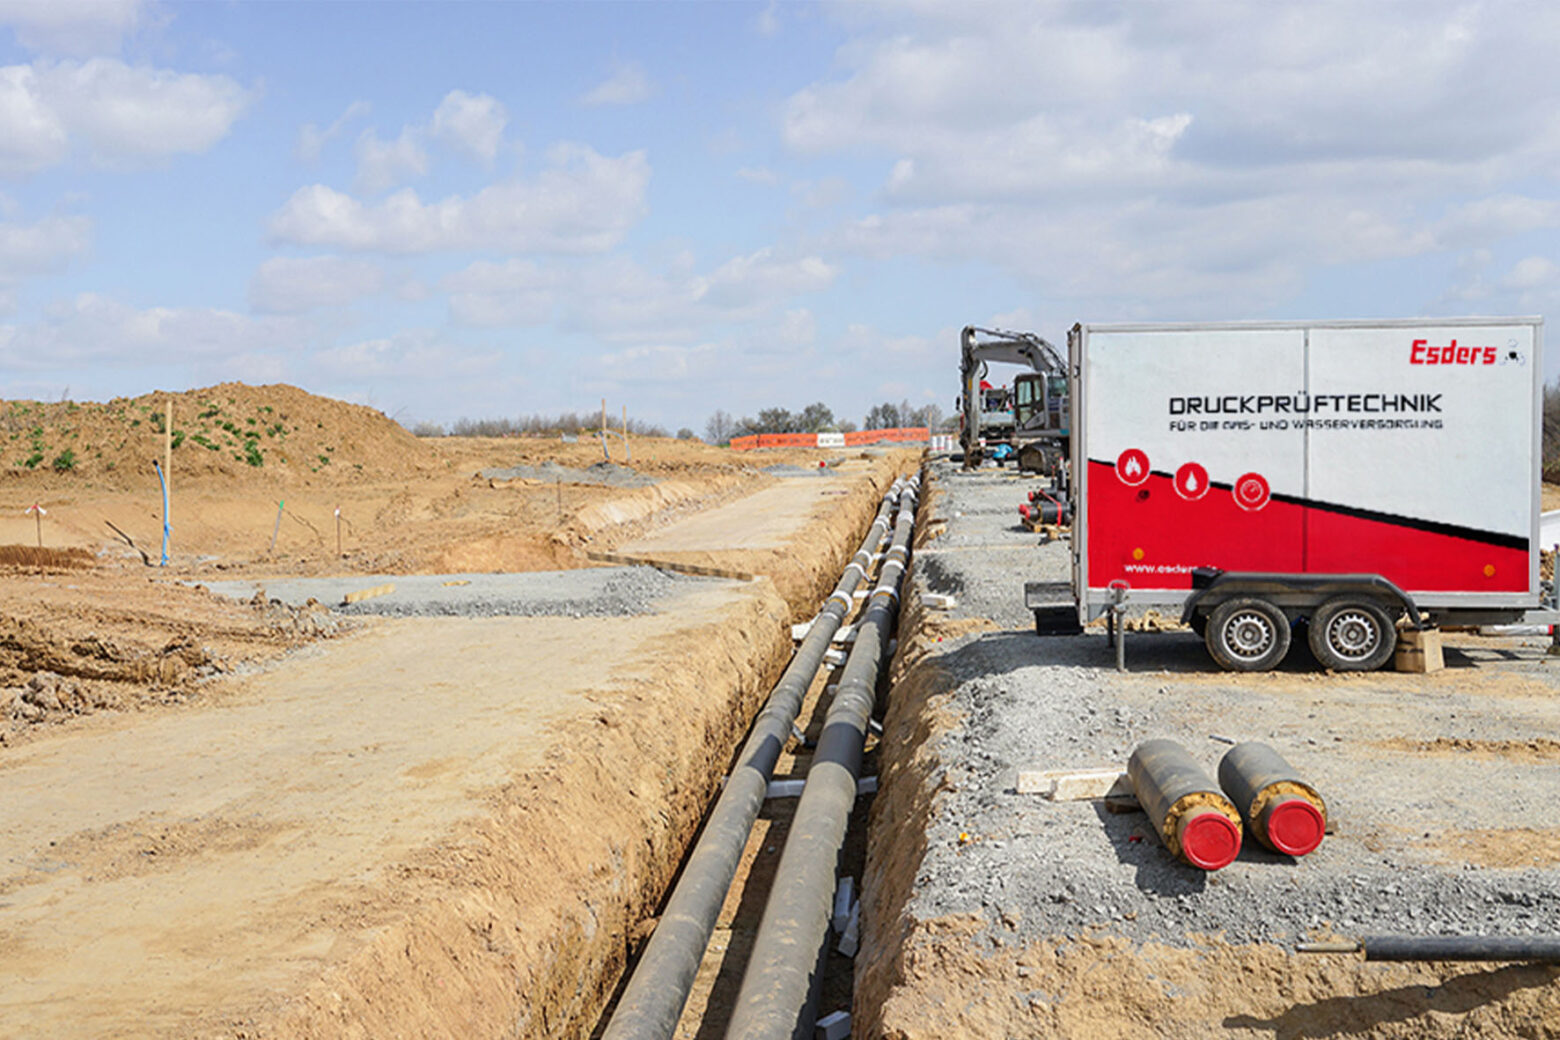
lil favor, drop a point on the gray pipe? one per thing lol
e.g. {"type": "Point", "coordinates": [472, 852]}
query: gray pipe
{"type": "Point", "coordinates": [775, 1001]}
{"type": "Point", "coordinates": [654, 999]}
{"type": "Point", "coordinates": [1542, 949]}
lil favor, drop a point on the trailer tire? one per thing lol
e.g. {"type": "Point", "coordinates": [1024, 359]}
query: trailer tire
{"type": "Point", "coordinates": [1247, 635]}
{"type": "Point", "coordinates": [1350, 634]}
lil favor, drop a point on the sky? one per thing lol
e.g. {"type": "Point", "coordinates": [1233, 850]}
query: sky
{"type": "Point", "coordinates": [487, 210]}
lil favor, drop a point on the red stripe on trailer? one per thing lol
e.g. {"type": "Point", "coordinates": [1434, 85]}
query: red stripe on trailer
{"type": "Point", "coordinates": [1151, 538]}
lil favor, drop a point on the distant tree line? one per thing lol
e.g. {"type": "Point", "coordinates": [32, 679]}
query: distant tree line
{"type": "Point", "coordinates": [537, 425]}
{"type": "Point", "coordinates": [819, 418]}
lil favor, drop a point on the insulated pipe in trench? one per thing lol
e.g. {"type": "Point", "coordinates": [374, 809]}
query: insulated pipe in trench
{"type": "Point", "coordinates": [775, 1001]}
{"type": "Point", "coordinates": [654, 999]}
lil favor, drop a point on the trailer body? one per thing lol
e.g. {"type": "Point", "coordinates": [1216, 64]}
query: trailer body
{"type": "Point", "coordinates": [1406, 450]}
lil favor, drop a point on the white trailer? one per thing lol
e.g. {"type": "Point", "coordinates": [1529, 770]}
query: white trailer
{"type": "Point", "coordinates": [1336, 476]}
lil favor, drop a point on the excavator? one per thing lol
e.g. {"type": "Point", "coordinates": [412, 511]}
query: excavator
{"type": "Point", "coordinates": [1030, 420]}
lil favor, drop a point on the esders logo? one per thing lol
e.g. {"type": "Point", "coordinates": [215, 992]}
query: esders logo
{"type": "Point", "coordinates": [1422, 352]}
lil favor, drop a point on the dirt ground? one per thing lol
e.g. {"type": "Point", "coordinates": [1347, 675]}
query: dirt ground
{"type": "Point", "coordinates": [227, 819]}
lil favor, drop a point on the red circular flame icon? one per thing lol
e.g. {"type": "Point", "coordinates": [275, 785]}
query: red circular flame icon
{"type": "Point", "coordinates": [1191, 481]}
{"type": "Point", "coordinates": [1132, 467]}
{"type": "Point", "coordinates": [1251, 491]}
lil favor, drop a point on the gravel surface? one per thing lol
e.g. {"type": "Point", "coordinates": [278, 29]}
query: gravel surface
{"type": "Point", "coordinates": [602, 474]}
{"type": "Point", "coordinates": [1426, 843]}
{"type": "Point", "coordinates": [593, 592]}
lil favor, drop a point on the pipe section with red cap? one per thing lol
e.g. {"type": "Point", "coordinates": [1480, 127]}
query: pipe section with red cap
{"type": "Point", "coordinates": [1283, 811]}
{"type": "Point", "coordinates": [1196, 822]}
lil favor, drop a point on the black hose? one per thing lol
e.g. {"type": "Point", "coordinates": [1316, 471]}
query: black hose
{"type": "Point", "coordinates": [653, 1001]}
{"type": "Point", "coordinates": [774, 1000]}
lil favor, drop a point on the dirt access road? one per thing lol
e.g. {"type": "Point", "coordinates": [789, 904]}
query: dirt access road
{"type": "Point", "coordinates": [232, 820]}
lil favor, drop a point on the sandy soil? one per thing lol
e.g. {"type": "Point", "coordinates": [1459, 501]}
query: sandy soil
{"type": "Point", "coordinates": [310, 828]}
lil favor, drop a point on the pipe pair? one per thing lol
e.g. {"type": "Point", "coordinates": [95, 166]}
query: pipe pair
{"type": "Point", "coordinates": [1203, 825]}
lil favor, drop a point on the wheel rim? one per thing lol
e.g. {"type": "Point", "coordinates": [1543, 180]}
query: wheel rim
{"type": "Point", "coordinates": [1249, 634]}
{"type": "Point", "coordinates": [1353, 635]}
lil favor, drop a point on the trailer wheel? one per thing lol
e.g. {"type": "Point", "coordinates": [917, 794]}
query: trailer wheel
{"type": "Point", "coordinates": [1247, 635]}
{"type": "Point", "coordinates": [1351, 635]}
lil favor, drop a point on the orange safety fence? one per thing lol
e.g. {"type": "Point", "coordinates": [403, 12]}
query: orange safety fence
{"type": "Point", "coordinates": [901, 435]}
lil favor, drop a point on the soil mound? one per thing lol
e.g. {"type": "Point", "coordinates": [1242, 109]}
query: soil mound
{"type": "Point", "coordinates": [230, 431]}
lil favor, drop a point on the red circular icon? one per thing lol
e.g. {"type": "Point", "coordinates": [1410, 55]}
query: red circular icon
{"type": "Point", "coordinates": [1132, 467]}
{"type": "Point", "coordinates": [1251, 491]}
{"type": "Point", "coordinates": [1191, 481]}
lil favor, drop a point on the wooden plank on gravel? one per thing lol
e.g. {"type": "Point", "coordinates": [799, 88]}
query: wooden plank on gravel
{"type": "Point", "coordinates": [361, 594]}
{"type": "Point", "coordinates": [1074, 785]}
{"type": "Point", "coordinates": [667, 565]}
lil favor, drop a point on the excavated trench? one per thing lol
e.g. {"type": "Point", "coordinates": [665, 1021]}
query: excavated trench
{"type": "Point", "coordinates": [522, 923]}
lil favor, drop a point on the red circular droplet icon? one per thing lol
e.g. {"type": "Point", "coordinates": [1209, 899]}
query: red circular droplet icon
{"type": "Point", "coordinates": [1132, 467]}
{"type": "Point", "coordinates": [1191, 481]}
{"type": "Point", "coordinates": [1251, 491]}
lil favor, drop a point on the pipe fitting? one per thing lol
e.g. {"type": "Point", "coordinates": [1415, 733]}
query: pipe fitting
{"type": "Point", "coordinates": [1285, 813]}
{"type": "Point", "coordinates": [1193, 818]}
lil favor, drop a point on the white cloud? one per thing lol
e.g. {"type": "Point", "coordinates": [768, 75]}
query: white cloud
{"type": "Point", "coordinates": [417, 354]}
{"type": "Point", "coordinates": [32, 249]}
{"type": "Point", "coordinates": [96, 329]}
{"type": "Point", "coordinates": [312, 140]}
{"type": "Point", "coordinates": [581, 202]}
{"type": "Point", "coordinates": [768, 21]}
{"type": "Point", "coordinates": [470, 123]}
{"type": "Point", "coordinates": [628, 85]}
{"type": "Point", "coordinates": [74, 28]}
{"type": "Point", "coordinates": [746, 280]}
{"type": "Point", "coordinates": [758, 175]}
{"type": "Point", "coordinates": [1533, 272]}
{"type": "Point", "coordinates": [513, 293]}
{"type": "Point", "coordinates": [384, 164]}
{"type": "Point", "coordinates": [1204, 158]}
{"type": "Point", "coordinates": [288, 285]}
{"type": "Point", "coordinates": [121, 113]}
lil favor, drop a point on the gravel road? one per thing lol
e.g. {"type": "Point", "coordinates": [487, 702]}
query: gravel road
{"type": "Point", "coordinates": [602, 474]}
{"type": "Point", "coordinates": [1440, 788]}
{"type": "Point", "coordinates": [591, 592]}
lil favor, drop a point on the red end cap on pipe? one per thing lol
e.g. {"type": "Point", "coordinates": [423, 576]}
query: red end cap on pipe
{"type": "Point", "coordinates": [1209, 840]}
{"type": "Point", "coordinates": [1294, 826]}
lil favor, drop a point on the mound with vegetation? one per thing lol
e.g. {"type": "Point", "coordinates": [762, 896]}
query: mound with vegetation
{"type": "Point", "coordinates": [229, 430]}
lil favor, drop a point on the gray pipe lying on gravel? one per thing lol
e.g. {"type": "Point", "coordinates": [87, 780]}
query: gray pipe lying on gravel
{"type": "Point", "coordinates": [776, 1001]}
{"type": "Point", "coordinates": [654, 999]}
{"type": "Point", "coordinates": [1281, 810]}
{"type": "Point", "coordinates": [1192, 816]}
{"type": "Point", "coordinates": [1542, 949]}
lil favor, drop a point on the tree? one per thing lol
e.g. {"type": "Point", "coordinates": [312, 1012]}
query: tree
{"type": "Point", "coordinates": [883, 416]}
{"type": "Point", "coordinates": [815, 418]}
{"type": "Point", "coordinates": [685, 434]}
{"type": "Point", "coordinates": [776, 420]}
{"type": "Point", "coordinates": [720, 428]}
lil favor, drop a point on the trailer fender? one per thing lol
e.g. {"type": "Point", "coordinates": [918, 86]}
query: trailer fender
{"type": "Point", "coordinates": [1296, 593]}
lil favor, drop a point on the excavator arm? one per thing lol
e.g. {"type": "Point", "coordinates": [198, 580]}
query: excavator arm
{"type": "Point", "coordinates": [979, 346]}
